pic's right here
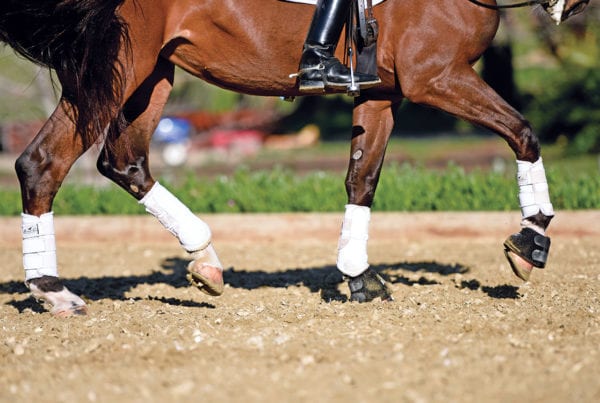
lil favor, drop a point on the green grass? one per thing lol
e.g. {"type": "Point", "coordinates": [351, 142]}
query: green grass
{"type": "Point", "coordinates": [401, 188]}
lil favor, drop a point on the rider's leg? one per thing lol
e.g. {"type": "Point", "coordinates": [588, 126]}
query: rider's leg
{"type": "Point", "coordinates": [318, 66]}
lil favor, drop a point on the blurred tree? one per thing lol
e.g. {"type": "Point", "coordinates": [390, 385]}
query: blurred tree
{"type": "Point", "coordinates": [28, 91]}
{"type": "Point", "coordinates": [497, 60]}
{"type": "Point", "coordinates": [567, 108]}
{"type": "Point", "coordinates": [333, 115]}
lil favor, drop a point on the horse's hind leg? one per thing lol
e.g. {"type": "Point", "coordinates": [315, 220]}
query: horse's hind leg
{"type": "Point", "coordinates": [460, 91]}
{"type": "Point", "coordinates": [41, 170]}
{"type": "Point", "coordinates": [372, 126]}
{"type": "Point", "coordinates": [125, 161]}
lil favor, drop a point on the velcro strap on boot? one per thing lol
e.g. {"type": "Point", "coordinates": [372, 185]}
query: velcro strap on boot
{"type": "Point", "coordinates": [193, 233]}
{"type": "Point", "coordinates": [39, 246]}
{"type": "Point", "coordinates": [533, 188]}
{"type": "Point", "coordinates": [529, 245]}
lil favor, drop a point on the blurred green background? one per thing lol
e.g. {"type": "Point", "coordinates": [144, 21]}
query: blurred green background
{"type": "Point", "coordinates": [550, 73]}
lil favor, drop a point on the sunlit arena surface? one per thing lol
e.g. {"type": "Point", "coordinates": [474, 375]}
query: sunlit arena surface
{"type": "Point", "coordinates": [462, 326]}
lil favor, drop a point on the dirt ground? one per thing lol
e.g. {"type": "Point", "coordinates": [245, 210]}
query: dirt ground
{"type": "Point", "coordinates": [461, 328]}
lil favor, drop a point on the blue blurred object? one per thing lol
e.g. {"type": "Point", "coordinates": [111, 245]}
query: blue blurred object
{"type": "Point", "coordinates": [172, 130]}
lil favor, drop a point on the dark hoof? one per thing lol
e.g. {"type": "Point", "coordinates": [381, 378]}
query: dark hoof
{"type": "Point", "coordinates": [525, 250]}
{"type": "Point", "coordinates": [368, 286]}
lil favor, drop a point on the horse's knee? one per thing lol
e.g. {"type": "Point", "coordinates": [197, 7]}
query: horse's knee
{"type": "Point", "coordinates": [29, 166]}
{"type": "Point", "coordinates": [23, 166]}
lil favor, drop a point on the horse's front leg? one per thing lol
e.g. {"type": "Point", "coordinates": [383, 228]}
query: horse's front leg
{"type": "Point", "coordinates": [372, 126]}
{"type": "Point", "coordinates": [125, 161]}
{"type": "Point", "coordinates": [41, 170]}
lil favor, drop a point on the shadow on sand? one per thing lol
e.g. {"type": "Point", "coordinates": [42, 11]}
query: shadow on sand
{"type": "Point", "coordinates": [324, 280]}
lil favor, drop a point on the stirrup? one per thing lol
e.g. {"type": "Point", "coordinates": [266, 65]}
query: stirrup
{"type": "Point", "coordinates": [353, 89]}
{"type": "Point", "coordinates": [309, 85]}
{"type": "Point", "coordinates": [319, 66]}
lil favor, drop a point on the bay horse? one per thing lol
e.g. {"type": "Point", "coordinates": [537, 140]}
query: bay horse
{"type": "Point", "coordinates": [115, 61]}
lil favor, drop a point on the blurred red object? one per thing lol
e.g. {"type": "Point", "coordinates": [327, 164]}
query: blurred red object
{"type": "Point", "coordinates": [241, 141]}
{"type": "Point", "coordinates": [16, 136]}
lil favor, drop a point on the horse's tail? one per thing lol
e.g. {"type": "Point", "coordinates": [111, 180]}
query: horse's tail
{"type": "Point", "coordinates": [81, 40]}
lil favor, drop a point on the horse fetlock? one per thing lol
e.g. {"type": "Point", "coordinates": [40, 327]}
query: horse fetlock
{"type": "Point", "coordinates": [44, 284]}
{"type": "Point", "coordinates": [538, 222]}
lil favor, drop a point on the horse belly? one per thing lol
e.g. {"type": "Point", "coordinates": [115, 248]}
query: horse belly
{"type": "Point", "coordinates": [250, 74]}
{"type": "Point", "coordinates": [246, 47]}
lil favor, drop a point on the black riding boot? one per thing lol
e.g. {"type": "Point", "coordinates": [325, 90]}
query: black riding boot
{"type": "Point", "coordinates": [318, 66]}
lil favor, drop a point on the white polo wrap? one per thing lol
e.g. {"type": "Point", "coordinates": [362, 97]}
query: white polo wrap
{"type": "Point", "coordinates": [193, 233]}
{"type": "Point", "coordinates": [533, 189]}
{"type": "Point", "coordinates": [39, 245]}
{"type": "Point", "coordinates": [352, 259]}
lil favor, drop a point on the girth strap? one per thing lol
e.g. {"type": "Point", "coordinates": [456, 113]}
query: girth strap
{"type": "Point", "coordinates": [365, 37]}
{"type": "Point", "coordinates": [368, 29]}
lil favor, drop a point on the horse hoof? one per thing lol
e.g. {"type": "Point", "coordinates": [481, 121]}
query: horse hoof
{"type": "Point", "coordinates": [63, 303]}
{"type": "Point", "coordinates": [75, 310]}
{"type": "Point", "coordinates": [208, 278]}
{"type": "Point", "coordinates": [368, 286]}
{"type": "Point", "coordinates": [525, 250]}
{"type": "Point", "coordinates": [520, 267]}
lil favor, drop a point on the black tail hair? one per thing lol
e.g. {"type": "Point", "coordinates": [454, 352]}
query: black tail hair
{"type": "Point", "coordinates": [81, 40]}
